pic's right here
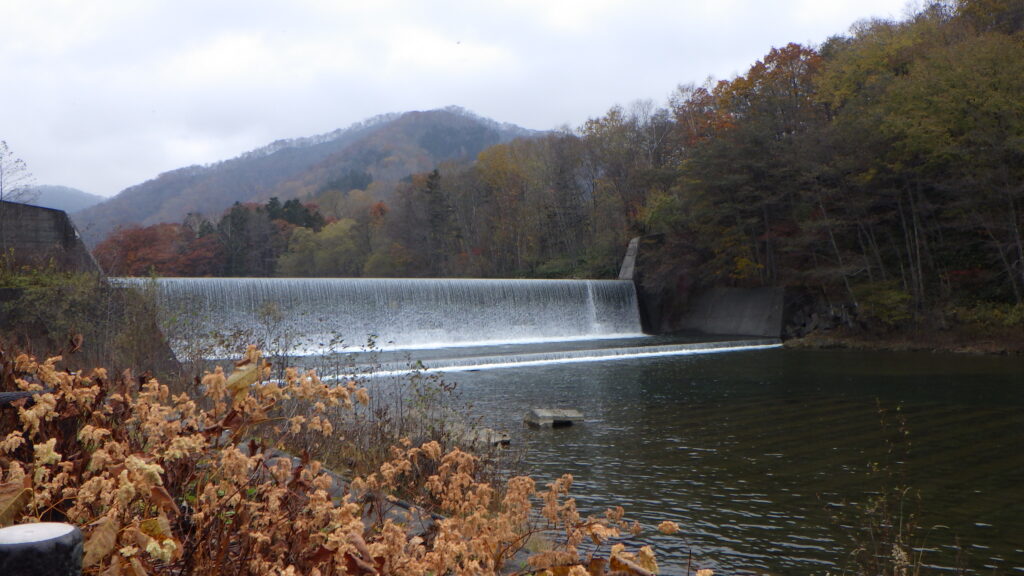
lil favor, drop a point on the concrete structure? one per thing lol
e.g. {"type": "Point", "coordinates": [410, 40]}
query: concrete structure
{"type": "Point", "coordinates": [552, 417]}
{"type": "Point", "coordinates": [670, 302]}
{"type": "Point", "coordinates": [628, 269]}
{"type": "Point", "coordinates": [37, 235]}
{"type": "Point", "coordinates": [38, 238]}
{"type": "Point", "coordinates": [741, 311]}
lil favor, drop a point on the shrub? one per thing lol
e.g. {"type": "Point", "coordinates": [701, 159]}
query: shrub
{"type": "Point", "coordinates": [44, 308]}
{"type": "Point", "coordinates": [178, 484]}
{"type": "Point", "coordinates": [988, 314]}
{"type": "Point", "coordinates": [884, 304]}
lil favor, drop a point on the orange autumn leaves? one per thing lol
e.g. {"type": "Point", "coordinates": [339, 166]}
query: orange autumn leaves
{"type": "Point", "coordinates": [163, 483]}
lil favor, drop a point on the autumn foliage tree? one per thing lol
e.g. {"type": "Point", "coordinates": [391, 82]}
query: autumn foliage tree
{"type": "Point", "coordinates": [166, 249]}
{"type": "Point", "coordinates": [246, 241]}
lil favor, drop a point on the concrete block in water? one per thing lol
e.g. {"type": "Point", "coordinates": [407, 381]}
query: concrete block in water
{"type": "Point", "coordinates": [552, 417]}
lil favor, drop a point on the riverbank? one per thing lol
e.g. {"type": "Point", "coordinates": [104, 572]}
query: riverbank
{"type": "Point", "coordinates": [970, 339]}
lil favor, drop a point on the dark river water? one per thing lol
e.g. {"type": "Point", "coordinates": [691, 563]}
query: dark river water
{"type": "Point", "coordinates": [753, 453]}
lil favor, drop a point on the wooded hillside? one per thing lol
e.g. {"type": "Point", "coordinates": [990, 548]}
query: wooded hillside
{"type": "Point", "coordinates": [384, 149]}
{"type": "Point", "coordinates": [885, 167]}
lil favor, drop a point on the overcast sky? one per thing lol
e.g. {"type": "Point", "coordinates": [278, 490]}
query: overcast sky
{"type": "Point", "coordinates": [104, 94]}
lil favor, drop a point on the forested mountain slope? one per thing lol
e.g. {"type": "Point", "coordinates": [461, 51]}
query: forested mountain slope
{"type": "Point", "coordinates": [386, 149]}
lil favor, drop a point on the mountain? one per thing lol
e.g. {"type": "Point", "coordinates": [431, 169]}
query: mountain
{"type": "Point", "coordinates": [384, 149]}
{"type": "Point", "coordinates": [63, 198]}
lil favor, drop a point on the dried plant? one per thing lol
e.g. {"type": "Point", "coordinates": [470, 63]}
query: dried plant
{"type": "Point", "coordinates": [176, 484]}
{"type": "Point", "coordinates": [887, 537]}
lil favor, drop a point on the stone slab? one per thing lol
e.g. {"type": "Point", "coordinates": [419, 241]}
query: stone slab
{"type": "Point", "coordinates": [552, 417]}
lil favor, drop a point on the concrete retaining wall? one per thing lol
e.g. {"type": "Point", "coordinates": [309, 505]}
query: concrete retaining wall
{"type": "Point", "coordinates": [670, 302]}
{"type": "Point", "coordinates": [746, 311]}
{"type": "Point", "coordinates": [37, 235]}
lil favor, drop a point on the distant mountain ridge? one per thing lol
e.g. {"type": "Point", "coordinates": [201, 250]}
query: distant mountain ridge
{"type": "Point", "coordinates": [388, 148]}
{"type": "Point", "coordinates": [63, 198]}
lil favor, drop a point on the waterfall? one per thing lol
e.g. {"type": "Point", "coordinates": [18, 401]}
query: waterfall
{"type": "Point", "coordinates": [312, 315]}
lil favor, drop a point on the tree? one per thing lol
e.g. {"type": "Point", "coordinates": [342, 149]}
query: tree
{"type": "Point", "coordinates": [958, 120]}
{"type": "Point", "coordinates": [247, 237]}
{"type": "Point", "coordinates": [137, 251]}
{"type": "Point", "coordinates": [443, 234]}
{"type": "Point", "coordinates": [296, 213]}
{"type": "Point", "coordinates": [15, 186]}
{"type": "Point", "coordinates": [333, 251]}
{"type": "Point", "coordinates": [744, 164]}
{"type": "Point", "coordinates": [165, 249]}
{"type": "Point", "coordinates": [15, 179]}
{"type": "Point", "coordinates": [1006, 16]}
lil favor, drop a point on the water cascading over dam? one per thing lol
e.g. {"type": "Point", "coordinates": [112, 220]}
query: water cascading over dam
{"type": "Point", "coordinates": [315, 315]}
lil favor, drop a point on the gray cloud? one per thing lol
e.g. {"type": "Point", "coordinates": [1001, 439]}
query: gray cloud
{"type": "Point", "coordinates": [102, 95]}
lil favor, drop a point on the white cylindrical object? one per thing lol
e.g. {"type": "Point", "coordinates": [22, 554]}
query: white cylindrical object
{"type": "Point", "coordinates": [39, 548]}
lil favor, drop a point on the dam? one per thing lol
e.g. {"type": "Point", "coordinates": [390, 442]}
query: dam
{"type": "Point", "coordinates": [449, 323]}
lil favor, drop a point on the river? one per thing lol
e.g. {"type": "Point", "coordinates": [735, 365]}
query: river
{"type": "Point", "coordinates": [754, 453]}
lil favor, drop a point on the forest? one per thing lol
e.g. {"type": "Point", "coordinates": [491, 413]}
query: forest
{"type": "Point", "coordinates": [885, 166]}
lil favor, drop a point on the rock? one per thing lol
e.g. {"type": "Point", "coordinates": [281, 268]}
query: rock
{"type": "Point", "coordinates": [552, 417]}
{"type": "Point", "coordinates": [478, 438]}
{"type": "Point", "coordinates": [488, 437]}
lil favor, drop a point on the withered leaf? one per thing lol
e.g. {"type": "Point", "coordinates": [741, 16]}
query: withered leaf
{"type": "Point", "coordinates": [142, 539]}
{"type": "Point", "coordinates": [14, 497]}
{"type": "Point", "coordinates": [114, 569]}
{"type": "Point", "coordinates": [231, 419]}
{"type": "Point", "coordinates": [629, 567]}
{"type": "Point", "coordinates": [241, 379]}
{"type": "Point", "coordinates": [157, 527]}
{"type": "Point", "coordinates": [158, 495]}
{"type": "Point", "coordinates": [75, 343]}
{"type": "Point", "coordinates": [101, 540]}
{"type": "Point", "coordinates": [321, 554]}
{"type": "Point", "coordinates": [136, 568]}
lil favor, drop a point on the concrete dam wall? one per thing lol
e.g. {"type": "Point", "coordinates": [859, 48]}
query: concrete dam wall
{"type": "Point", "coordinates": [669, 303]}
{"type": "Point", "coordinates": [746, 311]}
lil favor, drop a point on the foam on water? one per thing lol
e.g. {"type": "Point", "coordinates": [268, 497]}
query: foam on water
{"type": "Point", "coordinates": [597, 354]}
